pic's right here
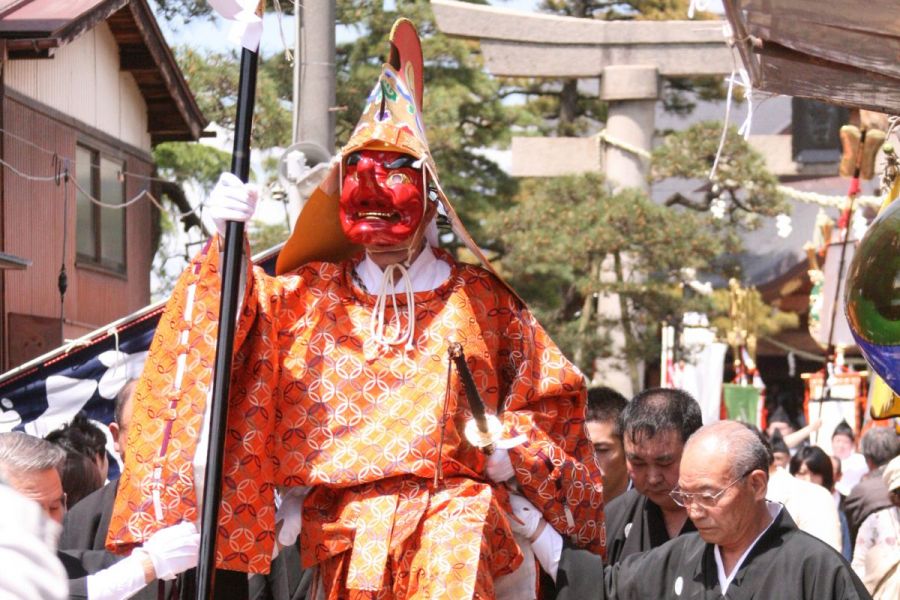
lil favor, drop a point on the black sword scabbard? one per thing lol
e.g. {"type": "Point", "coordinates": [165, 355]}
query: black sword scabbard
{"type": "Point", "coordinates": [476, 404]}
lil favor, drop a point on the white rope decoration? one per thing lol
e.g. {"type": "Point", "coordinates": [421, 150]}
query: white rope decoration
{"type": "Point", "coordinates": [744, 129]}
{"type": "Point", "coordinates": [605, 138]}
{"type": "Point", "coordinates": [793, 193]}
{"type": "Point", "coordinates": [377, 327]}
{"type": "Point", "coordinates": [823, 200]}
{"type": "Point", "coordinates": [893, 120]}
{"type": "Point", "coordinates": [120, 359]}
{"type": "Point", "coordinates": [279, 14]}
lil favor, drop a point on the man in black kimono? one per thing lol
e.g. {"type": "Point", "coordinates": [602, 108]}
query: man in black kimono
{"type": "Point", "coordinates": [744, 547]}
{"type": "Point", "coordinates": [655, 426]}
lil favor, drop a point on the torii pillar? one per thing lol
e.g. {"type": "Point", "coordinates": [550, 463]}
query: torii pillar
{"type": "Point", "coordinates": [631, 92]}
{"type": "Point", "coordinates": [630, 57]}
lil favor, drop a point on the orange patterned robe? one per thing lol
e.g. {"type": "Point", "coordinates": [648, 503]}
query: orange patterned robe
{"type": "Point", "coordinates": [314, 401]}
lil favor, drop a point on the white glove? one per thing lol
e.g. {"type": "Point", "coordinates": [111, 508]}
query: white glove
{"type": "Point", "coordinates": [122, 580]}
{"type": "Point", "coordinates": [499, 468]}
{"type": "Point", "coordinates": [173, 550]}
{"type": "Point", "coordinates": [526, 517]}
{"type": "Point", "coordinates": [231, 200]}
{"type": "Point", "coordinates": [528, 522]}
{"type": "Point", "coordinates": [290, 515]}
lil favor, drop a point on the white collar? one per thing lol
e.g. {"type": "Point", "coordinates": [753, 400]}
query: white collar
{"type": "Point", "coordinates": [426, 273]}
{"type": "Point", "coordinates": [725, 580]}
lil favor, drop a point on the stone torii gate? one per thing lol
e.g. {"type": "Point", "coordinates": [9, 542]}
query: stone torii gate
{"type": "Point", "coordinates": [628, 56]}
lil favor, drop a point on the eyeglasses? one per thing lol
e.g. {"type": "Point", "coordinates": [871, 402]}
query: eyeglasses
{"type": "Point", "coordinates": [704, 499]}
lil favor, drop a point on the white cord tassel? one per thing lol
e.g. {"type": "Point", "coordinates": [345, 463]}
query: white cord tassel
{"type": "Point", "coordinates": [378, 329]}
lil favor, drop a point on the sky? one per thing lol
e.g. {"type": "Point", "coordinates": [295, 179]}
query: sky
{"type": "Point", "coordinates": [209, 33]}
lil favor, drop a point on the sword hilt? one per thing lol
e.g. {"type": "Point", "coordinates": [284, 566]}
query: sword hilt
{"type": "Point", "coordinates": [476, 404]}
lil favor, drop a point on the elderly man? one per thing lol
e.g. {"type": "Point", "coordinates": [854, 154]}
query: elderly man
{"type": "Point", "coordinates": [31, 466]}
{"type": "Point", "coordinates": [655, 426]}
{"type": "Point", "coordinates": [744, 547]}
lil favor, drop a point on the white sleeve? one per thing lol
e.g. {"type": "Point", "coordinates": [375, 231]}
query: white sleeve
{"type": "Point", "coordinates": [120, 581]}
{"type": "Point", "coordinates": [865, 539]}
{"type": "Point", "coordinates": [830, 522]}
{"type": "Point", "coordinates": [812, 508]}
{"type": "Point", "coordinates": [548, 550]}
{"type": "Point", "coordinates": [31, 569]}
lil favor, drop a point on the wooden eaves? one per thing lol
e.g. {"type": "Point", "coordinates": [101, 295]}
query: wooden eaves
{"type": "Point", "coordinates": [34, 29]}
{"type": "Point", "coordinates": [834, 51]}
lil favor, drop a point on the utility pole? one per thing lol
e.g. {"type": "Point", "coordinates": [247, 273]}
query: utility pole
{"type": "Point", "coordinates": [314, 73]}
{"type": "Point", "coordinates": [314, 99]}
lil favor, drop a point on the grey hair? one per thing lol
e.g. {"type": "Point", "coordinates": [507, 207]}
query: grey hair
{"type": "Point", "coordinates": [741, 444]}
{"type": "Point", "coordinates": [880, 445]}
{"type": "Point", "coordinates": [21, 453]}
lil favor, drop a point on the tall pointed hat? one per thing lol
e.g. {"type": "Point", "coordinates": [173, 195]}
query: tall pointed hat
{"type": "Point", "coordinates": [392, 120]}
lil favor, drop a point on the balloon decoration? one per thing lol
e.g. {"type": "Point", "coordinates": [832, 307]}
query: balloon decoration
{"type": "Point", "coordinates": [873, 296]}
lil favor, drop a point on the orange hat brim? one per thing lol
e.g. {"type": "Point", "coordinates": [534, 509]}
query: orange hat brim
{"type": "Point", "coordinates": [317, 235]}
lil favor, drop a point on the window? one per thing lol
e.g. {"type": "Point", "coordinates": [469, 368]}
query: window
{"type": "Point", "coordinates": [100, 237]}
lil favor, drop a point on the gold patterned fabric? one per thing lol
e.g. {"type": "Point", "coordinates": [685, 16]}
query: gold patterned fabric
{"type": "Point", "coordinates": [314, 401]}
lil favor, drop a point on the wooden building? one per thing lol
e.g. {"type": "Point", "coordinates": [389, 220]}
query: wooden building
{"type": "Point", "coordinates": [87, 88]}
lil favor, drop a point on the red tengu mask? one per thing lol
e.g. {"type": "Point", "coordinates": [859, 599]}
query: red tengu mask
{"type": "Point", "coordinates": [381, 200]}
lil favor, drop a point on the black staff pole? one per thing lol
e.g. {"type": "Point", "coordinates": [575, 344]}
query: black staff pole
{"type": "Point", "coordinates": [231, 272]}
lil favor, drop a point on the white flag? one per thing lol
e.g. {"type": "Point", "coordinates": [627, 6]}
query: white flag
{"type": "Point", "coordinates": [246, 25]}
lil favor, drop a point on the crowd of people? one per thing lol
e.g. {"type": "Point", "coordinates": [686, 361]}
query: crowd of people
{"type": "Point", "coordinates": [669, 514]}
{"type": "Point", "coordinates": [860, 519]}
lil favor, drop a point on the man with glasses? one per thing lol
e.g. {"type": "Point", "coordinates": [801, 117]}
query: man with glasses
{"type": "Point", "coordinates": [655, 426]}
{"type": "Point", "coordinates": [745, 546]}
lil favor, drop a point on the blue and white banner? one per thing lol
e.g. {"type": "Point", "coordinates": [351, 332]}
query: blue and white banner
{"type": "Point", "coordinates": [81, 376]}
{"type": "Point", "coordinates": [86, 374]}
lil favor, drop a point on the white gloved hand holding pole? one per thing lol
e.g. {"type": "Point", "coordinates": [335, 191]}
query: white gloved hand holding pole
{"type": "Point", "coordinates": [231, 200]}
{"type": "Point", "coordinates": [173, 550]}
